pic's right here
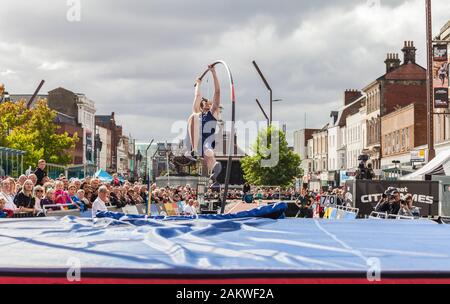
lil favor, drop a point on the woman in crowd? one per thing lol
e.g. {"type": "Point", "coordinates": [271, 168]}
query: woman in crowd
{"type": "Point", "coordinates": [48, 200]}
{"type": "Point", "coordinates": [24, 200]}
{"type": "Point", "coordinates": [38, 194]}
{"type": "Point", "coordinates": [83, 200]}
{"type": "Point", "coordinates": [5, 194]}
{"type": "Point", "coordinates": [12, 188]}
{"type": "Point", "coordinates": [21, 180]}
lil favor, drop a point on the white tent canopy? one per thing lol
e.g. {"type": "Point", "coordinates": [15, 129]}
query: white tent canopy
{"type": "Point", "coordinates": [440, 165]}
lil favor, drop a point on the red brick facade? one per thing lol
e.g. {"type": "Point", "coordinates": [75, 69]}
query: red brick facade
{"type": "Point", "coordinates": [77, 152]}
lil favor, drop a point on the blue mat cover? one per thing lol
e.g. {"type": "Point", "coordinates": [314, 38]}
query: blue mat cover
{"type": "Point", "coordinates": [223, 245]}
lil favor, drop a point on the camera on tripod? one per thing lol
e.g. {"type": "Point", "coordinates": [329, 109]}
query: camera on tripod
{"type": "Point", "coordinates": [363, 158]}
{"type": "Point", "coordinates": [364, 173]}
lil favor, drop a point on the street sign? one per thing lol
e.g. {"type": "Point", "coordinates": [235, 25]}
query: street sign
{"type": "Point", "coordinates": [418, 156]}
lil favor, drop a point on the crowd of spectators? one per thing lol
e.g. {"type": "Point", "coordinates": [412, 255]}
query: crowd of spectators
{"type": "Point", "coordinates": [36, 194]}
{"type": "Point", "coordinates": [30, 194]}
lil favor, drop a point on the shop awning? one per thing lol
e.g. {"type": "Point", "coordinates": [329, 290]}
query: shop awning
{"type": "Point", "coordinates": [440, 165]}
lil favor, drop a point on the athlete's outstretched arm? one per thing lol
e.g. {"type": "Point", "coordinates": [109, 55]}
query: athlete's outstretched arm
{"type": "Point", "coordinates": [216, 100]}
{"type": "Point", "coordinates": [198, 98]}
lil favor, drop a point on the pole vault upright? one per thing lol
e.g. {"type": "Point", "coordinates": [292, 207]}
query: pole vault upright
{"type": "Point", "coordinates": [230, 143]}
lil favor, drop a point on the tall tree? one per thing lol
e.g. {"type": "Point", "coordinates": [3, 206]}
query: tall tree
{"type": "Point", "coordinates": [12, 115]}
{"type": "Point", "coordinates": [258, 169]}
{"type": "Point", "coordinates": [35, 132]}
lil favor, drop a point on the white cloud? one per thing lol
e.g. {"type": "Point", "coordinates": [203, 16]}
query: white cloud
{"type": "Point", "coordinates": [7, 72]}
{"type": "Point", "coordinates": [52, 66]}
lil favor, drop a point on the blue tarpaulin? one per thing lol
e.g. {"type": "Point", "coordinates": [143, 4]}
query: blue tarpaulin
{"type": "Point", "coordinates": [103, 176]}
{"type": "Point", "coordinates": [274, 211]}
{"type": "Point", "coordinates": [232, 245]}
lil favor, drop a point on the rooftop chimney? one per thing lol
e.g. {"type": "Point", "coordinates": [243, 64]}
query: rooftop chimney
{"type": "Point", "coordinates": [350, 96]}
{"type": "Point", "coordinates": [392, 62]}
{"type": "Point", "coordinates": [409, 52]}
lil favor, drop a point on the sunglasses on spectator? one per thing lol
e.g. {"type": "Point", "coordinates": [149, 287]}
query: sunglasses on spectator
{"type": "Point", "coordinates": [39, 191]}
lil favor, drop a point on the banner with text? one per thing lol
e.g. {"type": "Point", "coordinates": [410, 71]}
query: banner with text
{"type": "Point", "coordinates": [440, 76]}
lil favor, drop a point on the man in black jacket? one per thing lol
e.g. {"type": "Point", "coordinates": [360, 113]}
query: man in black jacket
{"type": "Point", "coordinates": [395, 202]}
{"type": "Point", "coordinates": [40, 172]}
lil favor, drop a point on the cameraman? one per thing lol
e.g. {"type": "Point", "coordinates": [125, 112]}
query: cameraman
{"type": "Point", "coordinates": [383, 204]}
{"type": "Point", "coordinates": [364, 172]}
{"type": "Point", "coordinates": [395, 202]}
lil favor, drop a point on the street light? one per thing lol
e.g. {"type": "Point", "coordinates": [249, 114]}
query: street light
{"type": "Point", "coordinates": [264, 112]}
{"type": "Point", "coordinates": [268, 88]}
{"type": "Point", "coordinates": [153, 165]}
{"type": "Point", "coordinates": [167, 164]}
{"type": "Point", "coordinates": [147, 168]}
{"type": "Point", "coordinates": [397, 162]}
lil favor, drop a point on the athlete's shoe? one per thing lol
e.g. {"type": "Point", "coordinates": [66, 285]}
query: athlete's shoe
{"type": "Point", "coordinates": [190, 155]}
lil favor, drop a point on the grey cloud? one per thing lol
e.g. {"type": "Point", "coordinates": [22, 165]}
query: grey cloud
{"type": "Point", "coordinates": [140, 58]}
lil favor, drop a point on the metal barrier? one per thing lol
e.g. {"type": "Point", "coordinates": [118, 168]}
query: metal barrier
{"type": "Point", "coordinates": [400, 217]}
{"type": "Point", "coordinates": [386, 216]}
{"type": "Point", "coordinates": [378, 215]}
{"type": "Point", "coordinates": [349, 209]}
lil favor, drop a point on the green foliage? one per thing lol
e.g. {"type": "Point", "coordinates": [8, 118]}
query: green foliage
{"type": "Point", "coordinates": [283, 172]}
{"type": "Point", "coordinates": [34, 131]}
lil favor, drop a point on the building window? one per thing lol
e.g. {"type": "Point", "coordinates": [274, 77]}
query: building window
{"type": "Point", "coordinates": [407, 141]}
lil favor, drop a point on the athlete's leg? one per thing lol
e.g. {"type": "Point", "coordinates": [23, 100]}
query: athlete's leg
{"type": "Point", "coordinates": [211, 162]}
{"type": "Point", "coordinates": [190, 141]}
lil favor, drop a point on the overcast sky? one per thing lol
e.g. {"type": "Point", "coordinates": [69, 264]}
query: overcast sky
{"type": "Point", "coordinates": [140, 58]}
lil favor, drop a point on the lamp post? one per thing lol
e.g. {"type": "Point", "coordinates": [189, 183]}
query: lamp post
{"type": "Point", "coordinates": [397, 162]}
{"type": "Point", "coordinates": [430, 93]}
{"type": "Point", "coordinates": [147, 168]}
{"type": "Point", "coordinates": [167, 164]}
{"type": "Point", "coordinates": [264, 112]}
{"type": "Point", "coordinates": [268, 88]}
{"type": "Point", "coordinates": [153, 166]}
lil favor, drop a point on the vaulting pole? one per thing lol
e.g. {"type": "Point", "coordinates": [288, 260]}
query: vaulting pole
{"type": "Point", "coordinates": [233, 121]}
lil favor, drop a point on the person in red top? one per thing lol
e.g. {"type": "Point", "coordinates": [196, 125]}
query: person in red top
{"type": "Point", "coordinates": [60, 196]}
{"type": "Point", "coordinates": [3, 211]}
{"type": "Point", "coordinates": [115, 181]}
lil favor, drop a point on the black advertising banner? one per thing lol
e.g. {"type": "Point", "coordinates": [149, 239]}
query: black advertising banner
{"type": "Point", "coordinates": [425, 195]}
{"type": "Point", "coordinates": [440, 76]}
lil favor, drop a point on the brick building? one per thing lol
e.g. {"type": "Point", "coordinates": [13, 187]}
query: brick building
{"type": "Point", "coordinates": [403, 131]}
{"type": "Point", "coordinates": [70, 125]}
{"type": "Point", "coordinates": [110, 134]}
{"type": "Point", "coordinates": [82, 110]}
{"type": "Point", "coordinates": [402, 84]}
{"type": "Point", "coordinates": [301, 138]}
